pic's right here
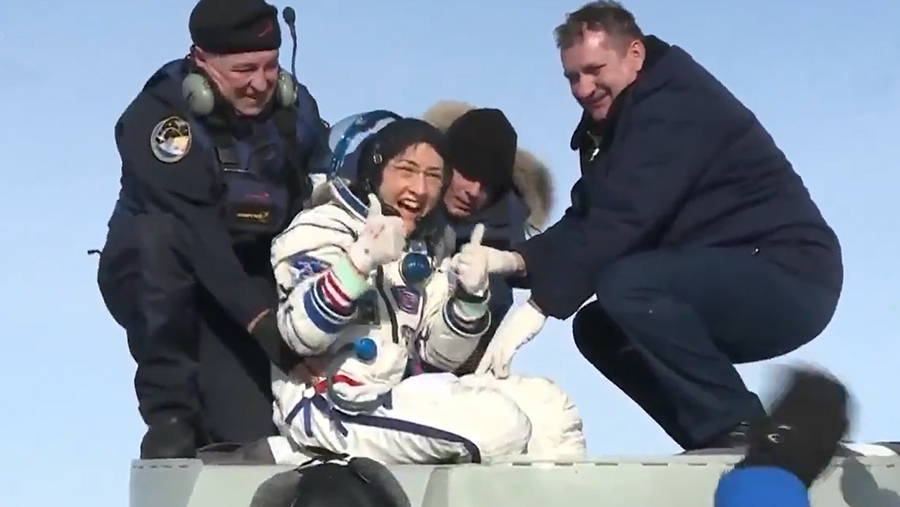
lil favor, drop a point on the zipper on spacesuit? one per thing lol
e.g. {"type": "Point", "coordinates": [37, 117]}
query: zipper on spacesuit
{"type": "Point", "coordinates": [379, 286]}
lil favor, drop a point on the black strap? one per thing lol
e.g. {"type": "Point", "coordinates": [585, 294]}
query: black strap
{"type": "Point", "coordinates": [223, 143]}
{"type": "Point", "coordinates": [297, 168]}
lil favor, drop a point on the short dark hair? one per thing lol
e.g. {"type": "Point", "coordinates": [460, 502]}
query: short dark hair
{"type": "Point", "coordinates": [606, 16]}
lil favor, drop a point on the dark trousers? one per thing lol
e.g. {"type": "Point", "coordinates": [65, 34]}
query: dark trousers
{"type": "Point", "coordinates": [193, 362]}
{"type": "Point", "coordinates": [668, 327]}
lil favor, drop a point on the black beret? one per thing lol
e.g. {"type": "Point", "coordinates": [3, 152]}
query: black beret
{"type": "Point", "coordinates": [235, 26]}
{"type": "Point", "coordinates": [482, 146]}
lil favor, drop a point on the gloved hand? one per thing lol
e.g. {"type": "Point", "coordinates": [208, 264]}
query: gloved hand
{"type": "Point", "coordinates": [382, 240]}
{"type": "Point", "coordinates": [264, 329]}
{"type": "Point", "coordinates": [471, 264]}
{"type": "Point", "coordinates": [503, 262]}
{"type": "Point", "coordinates": [519, 327]}
{"type": "Point", "coordinates": [498, 261]}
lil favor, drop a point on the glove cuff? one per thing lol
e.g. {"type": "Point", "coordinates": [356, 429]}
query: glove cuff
{"type": "Point", "coordinates": [360, 260]}
{"type": "Point", "coordinates": [467, 297]}
{"type": "Point", "coordinates": [352, 282]}
{"type": "Point", "coordinates": [470, 310]}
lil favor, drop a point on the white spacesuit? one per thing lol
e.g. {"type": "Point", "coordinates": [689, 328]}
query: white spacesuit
{"type": "Point", "coordinates": [426, 418]}
{"type": "Point", "coordinates": [398, 404]}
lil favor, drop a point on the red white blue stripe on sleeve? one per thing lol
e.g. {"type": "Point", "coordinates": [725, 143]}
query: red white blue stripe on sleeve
{"type": "Point", "coordinates": [327, 304]}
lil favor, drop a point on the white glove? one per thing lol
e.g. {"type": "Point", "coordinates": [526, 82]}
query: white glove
{"type": "Point", "coordinates": [382, 240]}
{"type": "Point", "coordinates": [519, 327]}
{"type": "Point", "coordinates": [471, 264]}
{"type": "Point", "coordinates": [502, 262]}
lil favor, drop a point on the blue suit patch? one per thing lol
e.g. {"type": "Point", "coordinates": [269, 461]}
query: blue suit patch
{"type": "Point", "coordinates": [306, 266]}
{"type": "Point", "coordinates": [407, 298]}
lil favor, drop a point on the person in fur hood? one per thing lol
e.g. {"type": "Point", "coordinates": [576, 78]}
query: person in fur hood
{"type": "Point", "coordinates": [495, 183]}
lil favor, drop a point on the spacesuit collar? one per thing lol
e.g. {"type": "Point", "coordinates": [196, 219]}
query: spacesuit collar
{"type": "Point", "coordinates": [350, 201]}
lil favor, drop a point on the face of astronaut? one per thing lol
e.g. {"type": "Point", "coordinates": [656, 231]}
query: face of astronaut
{"type": "Point", "coordinates": [411, 183]}
{"type": "Point", "coordinates": [464, 196]}
{"type": "Point", "coordinates": [246, 80]}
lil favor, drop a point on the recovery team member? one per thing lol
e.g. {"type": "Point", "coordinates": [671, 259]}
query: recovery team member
{"type": "Point", "coordinates": [689, 224]}
{"type": "Point", "coordinates": [214, 154]}
{"type": "Point", "coordinates": [494, 183]}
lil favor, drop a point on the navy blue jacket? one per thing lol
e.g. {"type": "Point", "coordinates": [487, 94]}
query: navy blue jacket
{"type": "Point", "coordinates": [680, 162]}
{"type": "Point", "coordinates": [193, 189]}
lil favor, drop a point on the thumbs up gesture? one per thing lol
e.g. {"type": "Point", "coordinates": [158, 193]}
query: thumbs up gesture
{"type": "Point", "coordinates": [382, 239]}
{"type": "Point", "coordinates": [471, 264]}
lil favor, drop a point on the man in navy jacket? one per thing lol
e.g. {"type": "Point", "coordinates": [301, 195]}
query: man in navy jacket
{"type": "Point", "coordinates": [689, 225]}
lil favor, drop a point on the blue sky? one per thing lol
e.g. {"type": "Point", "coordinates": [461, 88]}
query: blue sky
{"type": "Point", "coordinates": [822, 78]}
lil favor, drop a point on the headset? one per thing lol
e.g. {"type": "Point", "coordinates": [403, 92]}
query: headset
{"type": "Point", "coordinates": [200, 96]}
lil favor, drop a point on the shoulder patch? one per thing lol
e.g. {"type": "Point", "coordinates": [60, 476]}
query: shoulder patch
{"type": "Point", "coordinates": [171, 139]}
{"type": "Point", "coordinates": [306, 266]}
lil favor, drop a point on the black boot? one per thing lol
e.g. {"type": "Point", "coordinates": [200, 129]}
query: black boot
{"type": "Point", "coordinates": [731, 442]}
{"type": "Point", "coordinates": [170, 439]}
{"type": "Point", "coordinates": [805, 427]}
{"type": "Point", "coordinates": [736, 438]}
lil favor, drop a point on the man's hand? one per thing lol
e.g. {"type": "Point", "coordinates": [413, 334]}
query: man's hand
{"type": "Point", "coordinates": [519, 327]}
{"type": "Point", "coordinates": [471, 264]}
{"type": "Point", "coordinates": [498, 261]}
{"type": "Point", "coordinates": [382, 240]}
{"type": "Point", "coordinates": [309, 371]}
{"type": "Point", "coordinates": [303, 373]}
{"type": "Point", "coordinates": [503, 262]}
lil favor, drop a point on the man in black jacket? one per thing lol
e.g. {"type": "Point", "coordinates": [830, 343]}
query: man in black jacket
{"type": "Point", "coordinates": [689, 224]}
{"type": "Point", "coordinates": [215, 156]}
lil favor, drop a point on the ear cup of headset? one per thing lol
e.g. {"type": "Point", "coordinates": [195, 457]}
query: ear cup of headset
{"type": "Point", "coordinates": [201, 98]}
{"type": "Point", "coordinates": [286, 91]}
{"type": "Point", "coordinates": [198, 93]}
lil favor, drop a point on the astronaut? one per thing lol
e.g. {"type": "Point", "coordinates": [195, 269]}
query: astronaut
{"type": "Point", "coordinates": [375, 300]}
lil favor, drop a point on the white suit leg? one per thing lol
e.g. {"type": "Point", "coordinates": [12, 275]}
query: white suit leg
{"type": "Point", "coordinates": [432, 418]}
{"type": "Point", "coordinates": [557, 429]}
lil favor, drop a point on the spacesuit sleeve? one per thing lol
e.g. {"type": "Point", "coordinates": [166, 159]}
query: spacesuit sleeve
{"type": "Point", "coordinates": [318, 286]}
{"type": "Point", "coordinates": [454, 323]}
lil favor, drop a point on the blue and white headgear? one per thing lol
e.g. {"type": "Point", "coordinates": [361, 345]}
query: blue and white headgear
{"type": "Point", "coordinates": [346, 136]}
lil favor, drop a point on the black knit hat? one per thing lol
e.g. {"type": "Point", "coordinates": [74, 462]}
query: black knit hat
{"type": "Point", "coordinates": [482, 146]}
{"type": "Point", "coordinates": [235, 26]}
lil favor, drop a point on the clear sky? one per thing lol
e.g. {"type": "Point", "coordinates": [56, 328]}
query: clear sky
{"type": "Point", "coordinates": [822, 76]}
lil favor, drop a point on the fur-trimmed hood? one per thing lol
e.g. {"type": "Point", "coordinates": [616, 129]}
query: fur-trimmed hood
{"type": "Point", "coordinates": [531, 177]}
